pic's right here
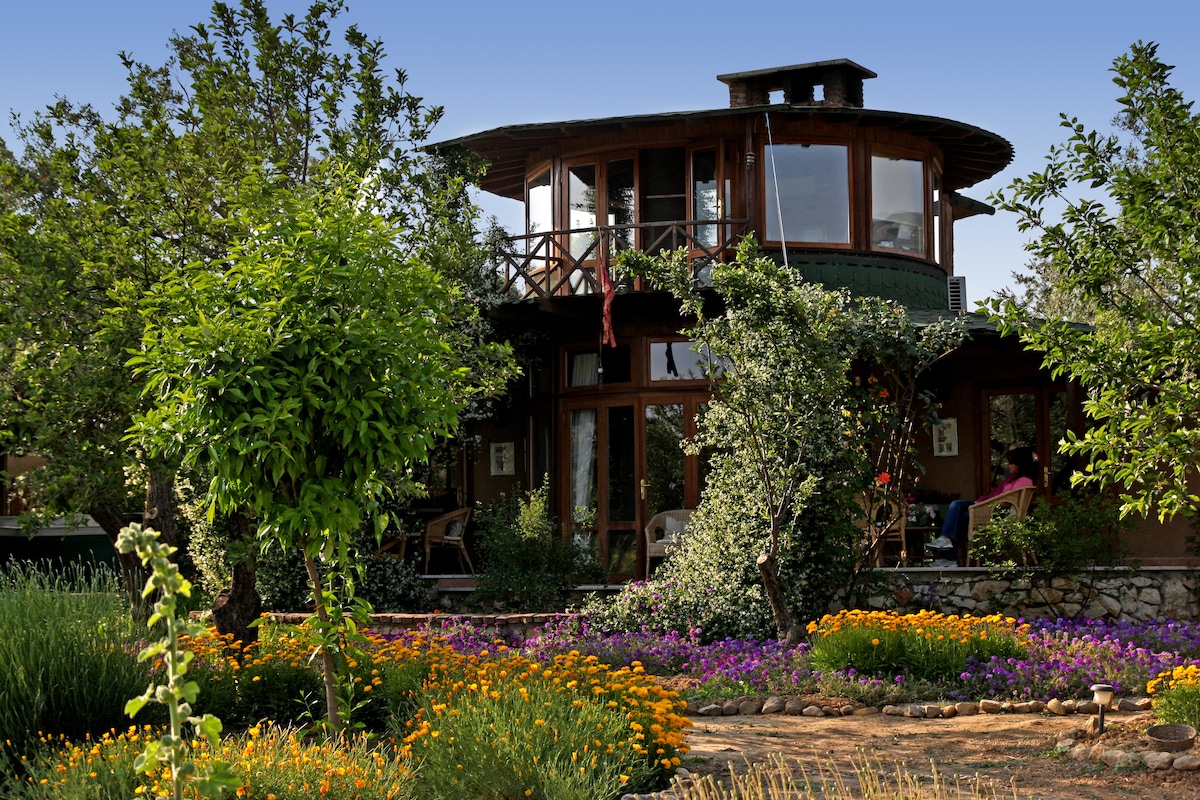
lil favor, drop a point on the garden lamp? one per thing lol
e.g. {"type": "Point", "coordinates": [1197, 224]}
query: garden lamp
{"type": "Point", "coordinates": [1102, 696]}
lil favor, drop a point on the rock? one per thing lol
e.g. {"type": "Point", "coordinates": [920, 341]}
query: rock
{"type": "Point", "coordinates": [1155, 760]}
{"type": "Point", "coordinates": [1092, 728]}
{"type": "Point", "coordinates": [712, 710]}
{"type": "Point", "coordinates": [967, 709]}
{"type": "Point", "coordinates": [793, 707]}
{"type": "Point", "coordinates": [774, 705]}
{"type": "Point", "coordinates": [730, 708]}
{"type": "Point", "coordinates": [990, 706]}
{"type": "Point", "coordinates": [1064, 745]}
{"type": "Point", "coordinates": [984, 590]}
{"type": "Point", "coordinates": [1113, 756]}
{"type": "Point", "coordinates": [1006, 707]}
{"type": "Point", "coordinates": [932, 712]}
{"type": "Point", "coordinates": [830, 711]}
{"type": "Point", "coordinates": [1037, 706]}
{"type": "Point", "coordinates": [1130, 704]}
{"type": "Point", "coordinates": [1022, 708]}
{"type": "Point", "coordinates": [916, 712]}
{"type": "Point", "coordinates": [1087, 707]}
{"type": "Point", "coordinates": [893, 711]}
{"type": "Point", "coordinates": [1098, 751]}
{"type": "Point", "coordinates": [847, 710]}
{"type": "Point", "coordinates": [1187, 763]}
{"type": "Point", "coordinates": [1081, 752]}
{"type": "Point", "coordinates": [1055, 706]}
{"type": "Point", "coordinates": [1071, 706]}
{"type": "Point", "coordinates": [949, 712]}
{"type": "Point", "coordinates": [813, 711]}
{"type": "Point", "coordinates": [749, 708]}
{"type": "Point", "coordinates": [865, 712]}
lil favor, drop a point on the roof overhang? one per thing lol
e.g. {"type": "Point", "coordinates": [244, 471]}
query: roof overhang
{"type": "Point", "coordinates": [971, 154]}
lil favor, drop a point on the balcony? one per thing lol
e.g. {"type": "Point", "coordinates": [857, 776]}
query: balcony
{"type": "Point", "coordinates": [565, 263]}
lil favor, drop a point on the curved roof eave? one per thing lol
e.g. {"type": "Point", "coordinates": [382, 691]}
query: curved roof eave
{"type": "Point", "coordinates": [971, 154]}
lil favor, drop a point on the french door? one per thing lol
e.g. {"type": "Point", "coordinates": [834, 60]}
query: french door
{"type": "Point", "coordinates": [623, 462]}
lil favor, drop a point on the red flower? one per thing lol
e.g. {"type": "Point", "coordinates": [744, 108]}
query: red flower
{"type": "Point", "coordinates": [884, 478]}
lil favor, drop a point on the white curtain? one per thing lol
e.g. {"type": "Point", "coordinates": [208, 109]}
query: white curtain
{"type": "Point", "coordinates": [583, 459]}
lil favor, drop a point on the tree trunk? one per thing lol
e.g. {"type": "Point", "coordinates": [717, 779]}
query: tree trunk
{"type": "Point", "coordinates": [328, 661]}
{"type": "Point", "coordinates": [236, 607]}
{"type": "Point", "coordinates": [788, 628]}
{"type": "Point", "coordinates": [133, 575]}
{"type": "Point", "coordinates": [160, 505]}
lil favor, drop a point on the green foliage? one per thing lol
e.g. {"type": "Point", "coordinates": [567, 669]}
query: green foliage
{"type": "Point", "coordinates": [526, 565]}
{"type": "Point", "coordinates": [66, 651]}
{"type": "Point", "coordinates": [532, 743]}
{"type": "Point", "coordinates": [1179, 704]}
{"type": "Point", "coordinates": [1130, 258]}
{"type": "Point", "coordinates": [1064, 537]}
{"type": "Point", "coordinates": [178, 693]}
{"type": "Point", "coordinates": [315, 362]}
{"type": "Point", "coordinates": [817, 399]}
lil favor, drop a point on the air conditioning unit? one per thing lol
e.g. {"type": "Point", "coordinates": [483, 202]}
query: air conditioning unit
{"type": "Point", "coordinates": [956, 288]}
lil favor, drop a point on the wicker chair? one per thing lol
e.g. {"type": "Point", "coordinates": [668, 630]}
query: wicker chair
{"type": "Point", "coordinates": [448, 530]}
{"type": "Point", "coordinates": [1016, 500]}
{"type": "Point", "coordinates": [671, 524]}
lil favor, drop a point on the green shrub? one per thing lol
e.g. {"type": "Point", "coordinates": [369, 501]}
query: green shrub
{"type": "Point", "coordinates": [67, 653]}
{"type": "Point", "coordinates": [1177, 696]}
{"type": "Point", "coordinates": [526, 566]}
{"type": "Point", "coordinates": [926, 646]}
{"type": "Point", "coordinates": [1064, 536]}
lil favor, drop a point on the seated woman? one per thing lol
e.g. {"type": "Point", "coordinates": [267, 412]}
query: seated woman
{"type": "Point", "coordinates": [1022, 470]}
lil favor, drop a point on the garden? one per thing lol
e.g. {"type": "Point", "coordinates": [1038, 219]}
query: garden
{"type": "Point", "coordinates": [575, 709]}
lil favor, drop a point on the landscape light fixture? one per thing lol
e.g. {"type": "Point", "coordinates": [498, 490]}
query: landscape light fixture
{"type": "Point", "coordinates": [1102, 696]}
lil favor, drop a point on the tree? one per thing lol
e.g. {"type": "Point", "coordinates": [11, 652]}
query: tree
{"type": "Point", "coordinates": [95, 213]}
{"type": "Point", "coordinates": [301, 371]}
{"type": "Point", "coordinates": [1131, 257]}
{"type": "Point", "coordinates": [817, 396]}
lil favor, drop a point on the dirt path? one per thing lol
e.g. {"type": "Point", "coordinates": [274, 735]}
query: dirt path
{"type": "Point", "coordinates": [1013, 751]}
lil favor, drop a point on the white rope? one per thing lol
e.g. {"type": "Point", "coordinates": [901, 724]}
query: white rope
{"type": "Point", "coordinates": [775, 180]}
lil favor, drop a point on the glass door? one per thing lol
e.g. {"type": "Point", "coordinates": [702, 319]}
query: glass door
{"type": "Point", "coordinates": [1034, 418]}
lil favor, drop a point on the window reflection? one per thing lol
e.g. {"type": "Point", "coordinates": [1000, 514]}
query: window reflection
{"type": "Point", "coordinates": [679, 361]}
{"type": "Point", "coordinates": [897, 203]}
{"type": "Point", "coordinates": [581, 201]}
{"type": "Point", "coordinates": [808, 193]}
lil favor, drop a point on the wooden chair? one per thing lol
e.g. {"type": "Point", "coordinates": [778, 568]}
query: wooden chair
{"type": "Point", "coordinates": [1016, 500]}
{"type": "Point", "coordinates": [672, 525]}
{"type": "Point", "coordinates": [882, 521]}
{"type": "Point", "coordinates": [448, 530]}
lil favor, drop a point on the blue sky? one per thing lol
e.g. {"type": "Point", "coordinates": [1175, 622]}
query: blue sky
{"type": "Point", "coordinates": [1009, 67]}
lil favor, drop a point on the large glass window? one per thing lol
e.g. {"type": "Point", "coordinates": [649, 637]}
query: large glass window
{"type": "Point", "coordinates": [581, 202]}
{"type": "Point", "coordinates": [678, 361]}
{"type": "Point", "coordinates": [541, 204]}
{"type": "Point", "coordinates": [808, 193]}
{"type": "Point", "coordinates": [619, 182]}
{"type": "Point", "coordinates": [897, 203]}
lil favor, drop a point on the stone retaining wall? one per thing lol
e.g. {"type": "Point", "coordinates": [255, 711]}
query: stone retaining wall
{"type": "Point", "coordinates": [1108, 592]}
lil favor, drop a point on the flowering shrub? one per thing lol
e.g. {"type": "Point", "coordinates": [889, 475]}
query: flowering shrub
{"type": "Point", "coordinates": [926, 645]}
{"type": "Point", "coordinates": [269, 761]}
{"type": "Point", "coordinates": [1177, 695]}
{"type": "Point", "coordinates": [508, 721]}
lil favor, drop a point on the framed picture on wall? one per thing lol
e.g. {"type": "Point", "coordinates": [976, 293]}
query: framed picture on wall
{"type": "Point", "coordinates": [504, 458]}
{"type": "Point", "coordinates": [945, 437]}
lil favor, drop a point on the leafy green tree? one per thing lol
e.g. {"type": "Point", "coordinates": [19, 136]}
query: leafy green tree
{"type": "Point", "coordinates": [801, 421]}
{"type": "Point", "coordinates": [315, 361]}
{"type": "Point", "coordinates": [1117, 223]}
{"type": "Point", "coordinates": [94, 212]}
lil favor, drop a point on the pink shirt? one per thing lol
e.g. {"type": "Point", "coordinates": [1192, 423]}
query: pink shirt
{"type": "Point", "coordinates": [1006, 485]}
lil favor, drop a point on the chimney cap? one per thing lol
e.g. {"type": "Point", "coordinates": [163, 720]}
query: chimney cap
{"type": "Point", "coordinates": [774, 77]}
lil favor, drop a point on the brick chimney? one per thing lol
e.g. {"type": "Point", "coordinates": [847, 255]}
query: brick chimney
{"type": "Point", "coordinates": [841, 81]}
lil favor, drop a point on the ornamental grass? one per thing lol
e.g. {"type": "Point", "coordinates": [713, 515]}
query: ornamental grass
{"type": "Point", "coordinates": [825, 780]}
{"type": "Point", "coordinates": [927, 646]}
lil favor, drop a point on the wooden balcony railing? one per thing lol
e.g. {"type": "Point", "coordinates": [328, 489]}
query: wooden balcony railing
{"type": "Point", "coordinates": [563, 263]}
